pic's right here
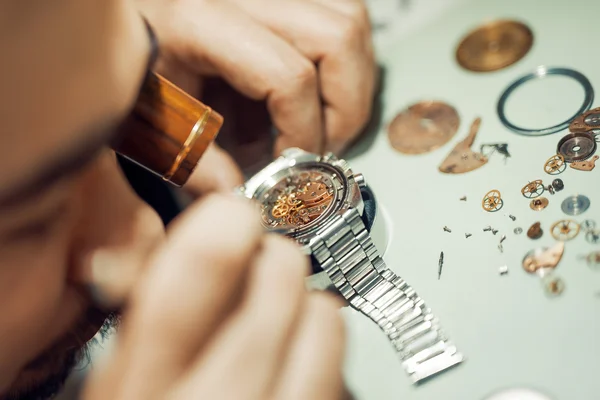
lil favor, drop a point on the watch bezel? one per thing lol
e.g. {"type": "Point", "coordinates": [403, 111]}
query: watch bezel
{"type": "Point", "coordinates": [293, 157]}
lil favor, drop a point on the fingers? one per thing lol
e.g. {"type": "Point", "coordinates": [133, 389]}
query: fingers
{"type": "Point", "coordinates": [216, 172]}
{"type": "Point", "coordinates": [254, 344]}
{"type": "Point", "coordinates": [254, 60]}
{"type": "Point", "coordinates": [192, 283]}
{"type": "Point", "coordinates": [313, 369]}
{"type": "Point", "coordinates": [339, 41]}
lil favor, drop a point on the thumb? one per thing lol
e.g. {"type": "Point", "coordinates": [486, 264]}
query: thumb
{"type": "Point", "coordinates": [216, 172]}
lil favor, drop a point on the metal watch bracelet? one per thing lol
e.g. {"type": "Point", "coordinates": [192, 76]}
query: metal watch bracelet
{"type": "Point", "coordinates": [345, 251]}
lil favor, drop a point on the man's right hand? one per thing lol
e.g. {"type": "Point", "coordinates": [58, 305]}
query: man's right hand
{"type": "Point", "coordinates": [221, 313]}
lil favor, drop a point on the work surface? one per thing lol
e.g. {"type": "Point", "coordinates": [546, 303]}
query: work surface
{"type": "Point", "coordinates": [511, 333]}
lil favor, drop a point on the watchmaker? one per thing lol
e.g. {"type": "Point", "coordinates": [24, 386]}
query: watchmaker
{"type": "Point", "coordinates": [215, 308]}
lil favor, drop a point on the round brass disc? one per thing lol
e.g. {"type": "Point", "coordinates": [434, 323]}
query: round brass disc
{"type": "Point", "coordinates": [494, 46]}
{"type": "Point", "coordinates": [423, 127]}
{"type": "Point", "coordinates": [539, 204]}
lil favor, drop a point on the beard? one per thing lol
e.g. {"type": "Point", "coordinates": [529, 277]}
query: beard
{"type": "Point", "coordinates": [44, 377]}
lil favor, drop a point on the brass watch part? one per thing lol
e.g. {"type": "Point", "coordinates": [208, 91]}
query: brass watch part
{"type": "Point", "coordinates": [423, 127]}
{"type": "Point", "coordinates": [533, 189]}
{"type": "Point", "coordinates": [538, 204]}
{"type": "Point", "coordinates": [543, 258]}
{"type": "Point", "coordinates": [555, 165]}
{"type": "Point", "coordinates": [585, 165]}
{"type": "Point", "coordinates": [494, 45]}
{"type": "Point", "coordinates": [535, 231]}
{"type": "Point", "coordinates": [586, 122]}
{"type": "Point", "coordinates": [462, 159]}
{"type": "Point", "coordinates": [492, 201]}
{"type": "Point", "coordinates": [564, 230]}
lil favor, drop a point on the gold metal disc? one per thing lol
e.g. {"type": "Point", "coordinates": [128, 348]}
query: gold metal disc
{"type": "Point", "coordinates": [494, 46]}
{"type": "Point", "coordinates": [423, 127]}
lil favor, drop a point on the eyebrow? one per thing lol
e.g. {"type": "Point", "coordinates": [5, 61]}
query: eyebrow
{"type": "Point", "coordinates": [65, 166]}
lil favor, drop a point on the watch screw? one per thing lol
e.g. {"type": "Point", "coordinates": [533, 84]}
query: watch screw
{"type": "Point", "coordinates": [446, 229]}
{"type": "Point", "coordinates": [494, 231]}
{"type": "Point", "coordinates": [468, 235]}
{"type": "Point", "coordinates": [487, 228]}
{"type": "Point", "coordinates": [512, 217]}
{"type": "Point", "coordinates": [503, 270]}
{"type": "Point", "coordinates": [464, 198]}
{"type": "Point", "coordinates": [501, 248]}
{"type": "Point", "coordinates": [503, 238]}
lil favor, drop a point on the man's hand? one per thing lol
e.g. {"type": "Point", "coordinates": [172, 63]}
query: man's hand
{"type": "Point", "coordinates": [221, 313]}
{"type": "Point", "coordinates": [311, 61]}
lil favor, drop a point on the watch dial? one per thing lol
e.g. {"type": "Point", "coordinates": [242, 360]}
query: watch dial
{"type": "Point", "coordinates": [299, 198]}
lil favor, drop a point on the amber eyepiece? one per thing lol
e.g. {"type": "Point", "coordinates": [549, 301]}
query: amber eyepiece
{"type": "Point", "coordinates": [168, 130]}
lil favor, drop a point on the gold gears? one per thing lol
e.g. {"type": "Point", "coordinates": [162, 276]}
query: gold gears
{"type": "Point", "coordinates": [555, 165]}
{"type": "Point", "coordinates": [533, 189]}
{"type": "Point", "coordinates": [565, 230]}
{"type": "Point", "coordinates": [492, 201]}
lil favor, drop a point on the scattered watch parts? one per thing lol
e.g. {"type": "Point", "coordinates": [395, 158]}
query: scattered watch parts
{"type": "Point", "coordinates": [535, 231]}
{"type": "Point", "coordinates": [538, 204]}
{"type": "Point", "coordinates": [588, 225]}
{"type": "Point", "coordinates": [576, 146]}
{"type": "Point", "coordinates": [553, 285]}
{"type": "Point", "coordinates": [501, 148]}
{"type": "Point", "coordinates": [593, 260]}
{"type": "Point", "coordinates": [533, 189]}
{"type": "Point", "coordinates": [558, 184]}
{"type": "Point", "coordinates": [542, 73]}
{"type": "Point", "coordinates": [440, 265]}
{"type": "Point", "coordinates": [492, 201]}
{"type": "Point", "coordinates": [462, 159]}
{"type": "Point", "coordinates": [494, 46]}
{"type": "Point", "coordinates": [564, 230]}
{"type": "Point", "coordinates": [555, 165]}
{"type": "Point", "coordinates": [550, 189]}
{"type": "Point", "coordinates": [585, 165]}
{"type": "Point", "coordinates": [586, 122]}
{"type": "Point", "coordinates": [503, 270]}
{"type": "Point", "coordinates": [543, 258]}
{"type": "Point", "coordinates": [593, 236]}
{"type": "Point", "coordinates": [446, 229]}
{"type": "Point", "coordinates": [575, 205]}
{"type": "Point", "coordinates": [518, 230]}
{"type": "Point", "coordinates": [423, 127]}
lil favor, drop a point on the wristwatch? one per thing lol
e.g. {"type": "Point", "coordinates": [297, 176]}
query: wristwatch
{"type": "Point", "coordinates": [319, 202]}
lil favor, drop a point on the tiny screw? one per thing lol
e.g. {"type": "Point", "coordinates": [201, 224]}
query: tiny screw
{"type": "Point", "coordinates": [487, 228]}
{"type": "Point", "coordinates": [503, 238]}
{"type": "Point", "coordinates": [494, 231]}
{"type": "Point", "coordinates": [503, 270]}
{"type": "Point", "coordinates": [464, 198]}
{"type": "Point", "coordinates": [468, 235]}
{"type": "Point", "coordinates": [512, 217]}
{"type": "Point", "coordinates": [518, 231]}
{"type": "Point", "coordinates": [501, 248]}
{"type": "Point", "coordinates": [447, 229]}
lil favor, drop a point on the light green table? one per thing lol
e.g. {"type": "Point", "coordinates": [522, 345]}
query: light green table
{"type": "Point", "coordinates": [510, 332]}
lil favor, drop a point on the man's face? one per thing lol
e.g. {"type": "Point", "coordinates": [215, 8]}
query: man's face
{"type": "Point", "coordinates": [70, 72]}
